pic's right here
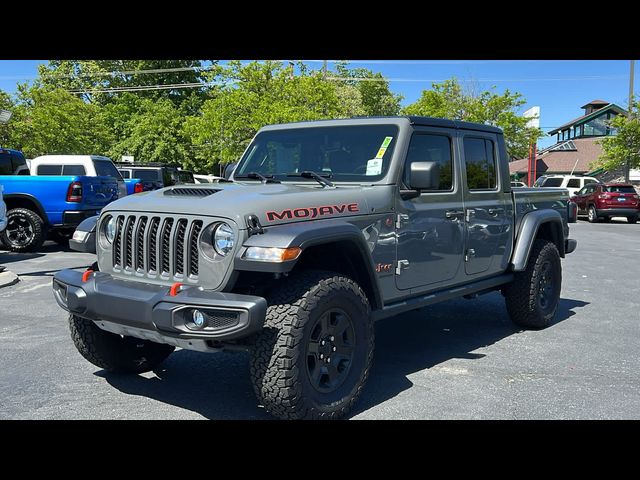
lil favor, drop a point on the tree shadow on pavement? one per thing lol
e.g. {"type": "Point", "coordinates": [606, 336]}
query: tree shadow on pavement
{"type": "Point", "coordinates": [217, 386]}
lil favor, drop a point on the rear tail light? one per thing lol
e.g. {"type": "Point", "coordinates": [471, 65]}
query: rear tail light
{"type": "Point", "coordinates": [74, 193]}
{"type": "Point", "coordinates": [604, 197]}
{"type": "Point", "coordinates": [137, 188]}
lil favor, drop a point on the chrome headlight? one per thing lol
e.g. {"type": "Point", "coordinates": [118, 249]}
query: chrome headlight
{"type": "Point", "coordinates": [110, 229]}
{"type": "Point", "coordinates": [224, 239]}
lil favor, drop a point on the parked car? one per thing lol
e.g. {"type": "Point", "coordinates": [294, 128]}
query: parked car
{"type": "Point", "coordinates": [518, 184]}
{"type": "Point", "coordinates": [3, 211]}
{"type": "Point", "coordinates": [573, 183]}
{"type": "Point", "coordinates": [297, 257]}
{"type": "Point", "coordinates": [155, 175]}
{"type": "Point", "coordinates": [90, 165]}
{"type": "Point", "coordinates": [47, 206]}
{"type": "Point", "coordinates": [206, 178]}
{"type": "Point", "coordinates": [606, 200]}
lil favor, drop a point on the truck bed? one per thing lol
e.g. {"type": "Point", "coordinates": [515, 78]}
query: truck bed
{"type": "Point", "coordinates": [528, 199]}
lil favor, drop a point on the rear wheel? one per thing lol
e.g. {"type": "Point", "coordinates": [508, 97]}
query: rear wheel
{"type": "Point", "coordinates": [116, 353]}
{"type": "Point", "coordinates": [313, 356]}
{"type": "Point", "coordinates": [533, 296]}
{"type": "Point", "coordinates": [25, 231]}
{"type": "Point", "coordinates": [592, 214]}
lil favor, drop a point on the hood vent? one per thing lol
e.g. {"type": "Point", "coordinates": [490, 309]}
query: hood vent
{"type": "Point", "coordinates": [190, 192]}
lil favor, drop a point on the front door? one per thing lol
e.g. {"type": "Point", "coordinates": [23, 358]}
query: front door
{"type": "Point", "coordinates": [430, 228]}
{"type": "Point", "coordinates": [488, 210]}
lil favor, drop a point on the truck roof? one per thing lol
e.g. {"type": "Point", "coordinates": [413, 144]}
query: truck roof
{"type": "Point", "coordinates": [412, 119]}
{"type": "Point", "coordinates": [73, 158]}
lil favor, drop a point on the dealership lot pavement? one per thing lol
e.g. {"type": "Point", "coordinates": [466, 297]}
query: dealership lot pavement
{"type": "Point", "coordinates": [458, 360]}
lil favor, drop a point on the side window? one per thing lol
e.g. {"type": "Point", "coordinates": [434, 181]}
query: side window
{"type": "Point", "coordinates": [587, 181]}
{"type": "Point", "coordinates": [125, 173]}
{"type": "Point", "coordinates": [480, 161]}
{"type": "Point", "coordinates": [18, 164]}
{"type": "Point", "coordinates": [73, 170]}
{"type": "Point", "coordinates": [49, 170]}
{"type": "Point", "coordinates": [431, 148]}
{"type": "Point", "coordinates": [582, 191]}
{"type": "Point", "coordinates": [5, 164]}
{"type": "Point", "coordinates": [574, 183]}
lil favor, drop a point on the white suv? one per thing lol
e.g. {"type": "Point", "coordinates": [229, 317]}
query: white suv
{"type": "Point", "coordinates": [3, 211]}
{"type": "Point", "coordinates": [573, 183]}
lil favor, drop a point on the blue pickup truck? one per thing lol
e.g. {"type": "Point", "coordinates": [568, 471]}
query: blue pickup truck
{"type": "Point", "coordinates": [41, 207]}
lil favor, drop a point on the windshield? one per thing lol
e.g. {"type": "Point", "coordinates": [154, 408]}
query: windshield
{"type": "Point", "coordinates": [359, 153]}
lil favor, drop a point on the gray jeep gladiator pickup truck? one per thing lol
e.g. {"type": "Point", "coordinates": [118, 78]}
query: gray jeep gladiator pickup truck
{"type": "Point", "coordinates": [325, 227]}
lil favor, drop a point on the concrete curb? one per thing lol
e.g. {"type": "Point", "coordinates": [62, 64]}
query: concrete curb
{"type": "Point", "coordinates": [8, 278]}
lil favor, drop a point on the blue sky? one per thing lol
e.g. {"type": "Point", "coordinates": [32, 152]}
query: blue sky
{"type": "Point", "coordinates": [559, 87]}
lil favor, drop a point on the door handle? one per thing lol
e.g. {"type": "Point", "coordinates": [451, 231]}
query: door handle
{"type": "Point", "coordinates": [453, 214]}
{"type": "Point", "coordinates": [495, 211]}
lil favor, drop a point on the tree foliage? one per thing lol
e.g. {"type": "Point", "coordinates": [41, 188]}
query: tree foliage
{"type": "Point", "coordinates": [449, 100]}
{"type": "Point", "coordinates": [623, 146]}
{"type": "Point", "coordinates": [204, 127]}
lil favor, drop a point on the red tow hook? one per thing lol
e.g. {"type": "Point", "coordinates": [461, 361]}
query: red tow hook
{"type": "Point", "coordinates": [87, 273]}
{"type": "Point", "coordinates": [175, 289]}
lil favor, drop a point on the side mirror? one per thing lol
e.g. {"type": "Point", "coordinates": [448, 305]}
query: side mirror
{"type": "Point", "coordinates": [424, 176]}
{"type": "Point", "coordinates": [228, 170]}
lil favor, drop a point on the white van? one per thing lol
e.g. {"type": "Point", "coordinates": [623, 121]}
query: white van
{"type": "Point", "coordinates": [91, 165]}
{"type": "Point", "coordinates": [573, 183]}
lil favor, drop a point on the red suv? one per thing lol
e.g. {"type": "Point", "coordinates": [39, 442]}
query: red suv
{"type": "Point", "coordinates": [606, 200]}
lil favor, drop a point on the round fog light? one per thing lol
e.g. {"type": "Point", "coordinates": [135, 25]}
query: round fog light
{"type": "Point", "coordinates": [198, 318]}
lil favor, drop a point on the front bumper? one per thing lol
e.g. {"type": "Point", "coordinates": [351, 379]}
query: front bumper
{"type": "Point", "coordinates": [148, 311]}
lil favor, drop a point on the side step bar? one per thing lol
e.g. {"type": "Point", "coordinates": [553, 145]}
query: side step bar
{"type": "Point", "coordinates": [440, 296]}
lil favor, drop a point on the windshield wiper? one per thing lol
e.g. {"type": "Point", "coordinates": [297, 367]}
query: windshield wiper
{"type": "Point", "coordinates": [309, 174]}
{"type": "Point", "coordinates": [259, 176]}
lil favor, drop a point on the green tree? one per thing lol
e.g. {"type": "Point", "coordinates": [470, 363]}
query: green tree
{"type": "Point", "coordinates": [448, 100]}
{"type": "Point", "coordinates": [258, 94]}
{"type": "Point", "coordinates": [377, 98]}
{"type": "Point", "coordinates": [50, 121]}
{"type": "Point", "coordinates": [88, 75]}
{"type": "Point", "coordinates": [6, 103]}
{"type": "Point", "coordinates": [151, 130]}
{"type": "Point", "coordinates": [623, 146]}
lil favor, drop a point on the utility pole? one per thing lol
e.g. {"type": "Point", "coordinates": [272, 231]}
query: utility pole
{"type": "Point", "coordinates": [626, 165]}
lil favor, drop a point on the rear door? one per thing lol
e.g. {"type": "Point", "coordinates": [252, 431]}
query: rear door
{"type": "Point", "coordinates": [487, 207]}
{"type": "Point", "coordinates": [580, 198]}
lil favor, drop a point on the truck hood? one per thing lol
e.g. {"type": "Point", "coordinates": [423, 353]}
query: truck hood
{"type": "Point", "coordinates": [272, 203]}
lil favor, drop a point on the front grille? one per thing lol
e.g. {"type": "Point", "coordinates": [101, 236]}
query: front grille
{"type": "Point", "coordinates": [156, 246]}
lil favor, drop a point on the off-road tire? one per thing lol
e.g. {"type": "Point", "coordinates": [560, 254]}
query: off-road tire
{"type": "Point", "coordinates": [116, 353]}
{"type": "Point", "coordinates": [38, 231]}
{"type": "Point", "coordinates": [280, 357]}
{"type": "Point", "coordinates": [592, 214]}
{"type": "Point", "coordinates": [632, 219]}
{"type": "Point", "coordinates": [523, 294]}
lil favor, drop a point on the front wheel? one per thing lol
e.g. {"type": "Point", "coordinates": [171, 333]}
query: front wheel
{"type": "Point", "coordinates": [116, 353]}
{"type": "Point", "coordinates": [312, 358]}
{"type": "Point", "coordinates": [532, 297]}
{"type": "Point", "coordinates": [592, 214]}
{"type": "Point", "coordinates": [25, 231]}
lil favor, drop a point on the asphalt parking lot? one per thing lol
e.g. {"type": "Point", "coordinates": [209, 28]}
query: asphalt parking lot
{"type": "Point", "coordinates": [458, 360]}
